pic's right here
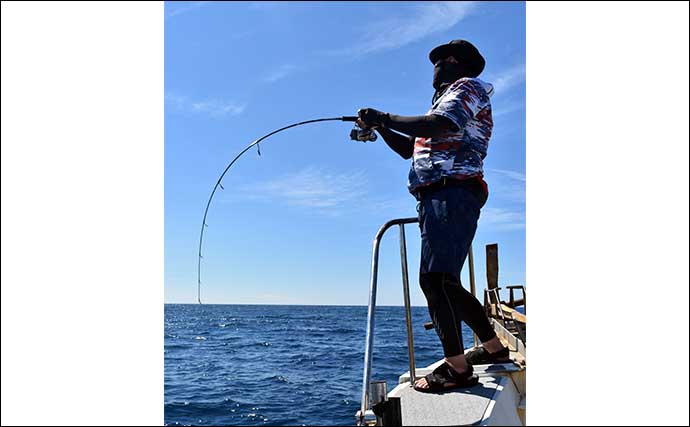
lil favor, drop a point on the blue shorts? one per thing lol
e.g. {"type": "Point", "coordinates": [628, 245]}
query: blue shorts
{"type": "Point", "coordinates": [447, 221]}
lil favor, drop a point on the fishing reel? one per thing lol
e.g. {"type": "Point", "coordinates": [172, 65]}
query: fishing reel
{"type": "Point", "coordinates": [362, 135]}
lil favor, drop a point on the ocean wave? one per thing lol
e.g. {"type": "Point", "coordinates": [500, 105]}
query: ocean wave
{"type": "Point", "coordinates": [304, 369]}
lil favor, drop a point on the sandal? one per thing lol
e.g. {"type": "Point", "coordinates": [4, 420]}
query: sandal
{"type": "Point", "coordinates": [444, 377]}
{"type": "Point", "coordinates": [481, 356]}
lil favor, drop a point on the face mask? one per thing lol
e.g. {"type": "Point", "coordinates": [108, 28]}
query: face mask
{"type": "Point", "coordinates": [446, 72]}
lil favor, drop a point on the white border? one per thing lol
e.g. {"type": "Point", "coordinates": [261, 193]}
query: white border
{"type": "Point", "coordinates": [607, 212]}
{"type": "Point", "coordinates": [82, 213]}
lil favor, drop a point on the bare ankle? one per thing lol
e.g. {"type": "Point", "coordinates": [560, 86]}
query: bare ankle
{"type": "Point", "coordinates": [458, 363]}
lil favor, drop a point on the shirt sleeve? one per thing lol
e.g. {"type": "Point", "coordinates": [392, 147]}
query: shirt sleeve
{"type": "Point", "coordinates": [460, 104]}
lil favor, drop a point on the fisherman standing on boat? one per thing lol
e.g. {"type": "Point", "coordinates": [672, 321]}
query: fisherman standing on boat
{"type": "Point", "coordinates": [447, 146]}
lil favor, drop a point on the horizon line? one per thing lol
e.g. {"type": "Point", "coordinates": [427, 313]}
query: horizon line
{"type": "Point", "coordinates": [310, 305]}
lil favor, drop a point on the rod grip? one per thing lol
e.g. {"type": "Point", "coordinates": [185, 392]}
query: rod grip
{"type": "Point", "coordinates": [349, 118]}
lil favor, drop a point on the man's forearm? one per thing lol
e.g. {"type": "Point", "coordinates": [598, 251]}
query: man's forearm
{"type": "Point", "coordinates": [401, 144]}
{"type": "Point", "coordinates": [419, 126]}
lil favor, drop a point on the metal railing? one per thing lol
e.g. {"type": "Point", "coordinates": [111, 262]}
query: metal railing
{"type": "Point", "coordinates": [369, 346]}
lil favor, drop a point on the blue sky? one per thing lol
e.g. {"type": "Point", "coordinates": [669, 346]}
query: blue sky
{"type": "Point", "coordinates": [295, 226]}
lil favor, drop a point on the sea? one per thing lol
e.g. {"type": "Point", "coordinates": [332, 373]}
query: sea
{"type": "Point", "coordinates": [283, 365]}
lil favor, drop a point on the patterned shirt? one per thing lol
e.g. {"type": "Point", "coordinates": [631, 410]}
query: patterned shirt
{"type": "Point", "coordinates": [456, 154]}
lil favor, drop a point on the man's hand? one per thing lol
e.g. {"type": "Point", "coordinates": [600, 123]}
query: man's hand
{"type": "Point", "coordinates": [426, 126]}
{"type": "Point", "coordinates": [370, 118]}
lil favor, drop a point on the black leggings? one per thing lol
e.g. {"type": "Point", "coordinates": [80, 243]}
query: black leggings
{"type": "Point", "coordinates": [449, 303]}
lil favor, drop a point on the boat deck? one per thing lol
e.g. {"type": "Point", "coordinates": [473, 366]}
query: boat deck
{"type": "Point", "coordinates": [478, 405]}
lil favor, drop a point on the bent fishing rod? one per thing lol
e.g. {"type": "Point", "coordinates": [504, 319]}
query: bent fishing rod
{"type": "Point", "coordinates": [357, 134]}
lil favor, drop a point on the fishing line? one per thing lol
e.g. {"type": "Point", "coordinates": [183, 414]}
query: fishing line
{"type": "Point", "coordinates": [256, 143]}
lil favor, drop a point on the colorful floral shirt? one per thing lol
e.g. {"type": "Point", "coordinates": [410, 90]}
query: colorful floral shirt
{"type": "Point", "coordinates": [457, 154]}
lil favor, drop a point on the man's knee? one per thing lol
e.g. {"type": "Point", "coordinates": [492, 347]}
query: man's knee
{"type": "Point", "coordinates": [434, 281]}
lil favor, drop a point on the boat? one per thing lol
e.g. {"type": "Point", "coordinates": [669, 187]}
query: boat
{"type": "Point", "coordinates": [500, 396]}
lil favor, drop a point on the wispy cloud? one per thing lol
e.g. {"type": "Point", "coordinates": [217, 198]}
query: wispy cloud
{"type": "Point", "coordinates": [507, 79]}
{"type": "Point", "coordinates": [398, 31]}
{"type": "Point", "coordinates": [502, 110]}
{"type": "Point", "coordinates": [518, 176]}
{"type": "Point", "coordinates": [394, 207]}
{"type": "Point", "coordinates": [505, 210]}
{"type": "Point", "coordinates": [185, 7]}
{"type": "Point", "coordinates": [217, 107]}
{"type": "Point", "coordinates": [214, 107]}
{"type": "Point", "coordinates": [506, 186]}
{"type": "Point", "coordinates": [322, 192]}
{"type": "Point", "coordinates": [502, 219]}
{"type": "Point", "coordinates": [279, 73]}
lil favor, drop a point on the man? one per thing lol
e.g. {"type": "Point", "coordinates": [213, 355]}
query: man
{"type": "Point", "coordinates": [447, 146]}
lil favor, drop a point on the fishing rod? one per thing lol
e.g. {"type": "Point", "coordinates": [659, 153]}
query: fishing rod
{"type": "Point", "coordinates": [357, 134]}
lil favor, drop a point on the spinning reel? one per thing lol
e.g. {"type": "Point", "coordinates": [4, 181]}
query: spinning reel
{"type": "Point", "coordinates": [362, 135]}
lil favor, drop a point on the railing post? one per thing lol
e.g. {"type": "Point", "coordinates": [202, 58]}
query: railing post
{"type": "Point", "coordinates": [369, 346]}
{"type": "Point", "coordinates": [406, 296]}
{"type": "Point", "coordinates": [473, 289]}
